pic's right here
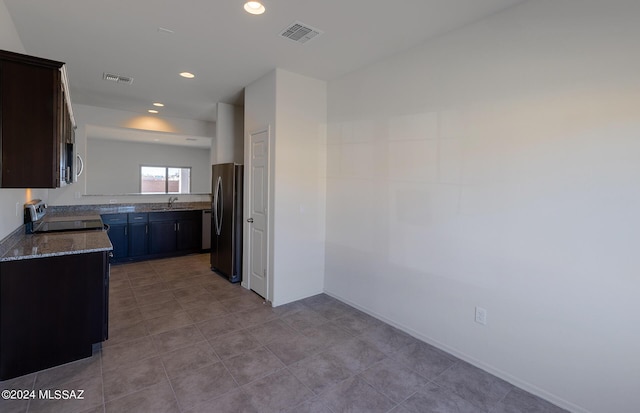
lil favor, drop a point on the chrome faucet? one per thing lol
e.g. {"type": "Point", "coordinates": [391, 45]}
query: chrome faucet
{"type": "Point", "coordinates": [172, 200]}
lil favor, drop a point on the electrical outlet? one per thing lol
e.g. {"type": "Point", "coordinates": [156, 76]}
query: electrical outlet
{"type": "Point", "coordinates": [481, 316]}
{"type": "Point", "coordinates": [17, 209]}
{"type": "Point", "coordinates": [113, 201]}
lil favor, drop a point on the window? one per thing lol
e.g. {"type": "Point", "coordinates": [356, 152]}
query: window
{"type": "Point", "coordinates": [165, 180]}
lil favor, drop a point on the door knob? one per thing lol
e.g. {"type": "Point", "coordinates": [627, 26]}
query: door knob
{"type": "Point", "coordinates": [250, 220]}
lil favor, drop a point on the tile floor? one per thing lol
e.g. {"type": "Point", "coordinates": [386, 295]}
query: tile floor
{"type": "Point", "coordinates": [182, 339]}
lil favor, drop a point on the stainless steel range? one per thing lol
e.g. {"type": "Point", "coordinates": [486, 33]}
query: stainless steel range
{"type": "Point", "coordinates": [35, 211]}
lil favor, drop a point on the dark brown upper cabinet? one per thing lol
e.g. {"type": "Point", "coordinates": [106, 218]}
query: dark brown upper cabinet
{"type": "Point", "coordinates": [36, 123]}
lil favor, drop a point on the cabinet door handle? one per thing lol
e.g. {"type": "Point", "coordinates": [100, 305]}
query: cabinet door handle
{"type": "Point", "coordinates": [178, 226]}
{"type": "Point", "coordinates": [125, 230]}
{"type": "Point", "coordinates": [146, 229]}
{"type": "Point", "coordinates": [175, 227]}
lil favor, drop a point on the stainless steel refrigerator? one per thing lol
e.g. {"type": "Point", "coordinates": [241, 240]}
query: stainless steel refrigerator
{"type": "Point", "coordinates": [226, 222]}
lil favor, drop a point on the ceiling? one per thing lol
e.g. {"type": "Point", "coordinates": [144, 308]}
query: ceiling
{"type": "Point", "coordinates": [142, 136]}
{"type": "Point", "coordinates": [225, 47]}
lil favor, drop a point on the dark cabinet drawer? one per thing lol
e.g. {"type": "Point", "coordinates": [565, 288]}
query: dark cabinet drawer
{"type": "Point", "coordinates": [112, 219]}
{"type": "Point", "coordinates": [138, 217]}
{"type": "Point", "coordinates": [173, 216]}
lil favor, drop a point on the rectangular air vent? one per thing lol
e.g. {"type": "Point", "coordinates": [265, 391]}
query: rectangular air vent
{"type": "Point", "coordinates": [300, 32]}
{"type": "Point", "coordinates": [117, 78]}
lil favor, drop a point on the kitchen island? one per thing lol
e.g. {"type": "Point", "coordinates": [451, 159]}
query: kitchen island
{"type": "Point", "coordinates": [54, 295]}
{"type": "Point", "coordinates": [29, 246]}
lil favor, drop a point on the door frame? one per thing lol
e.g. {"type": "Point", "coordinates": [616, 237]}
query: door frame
{"type": "Point", "coordinates": [246, 238]}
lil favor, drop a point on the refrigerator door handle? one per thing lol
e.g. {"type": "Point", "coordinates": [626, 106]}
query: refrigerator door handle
{"type": "Point", "coordinates": [217, 206]}
{"type": "Point", "coordinates": [221, 202]}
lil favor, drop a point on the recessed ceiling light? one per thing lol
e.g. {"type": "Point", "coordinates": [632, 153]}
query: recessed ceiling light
{"type": "Point", "coordinates": [152, 111]}
{"type": "Point", "coordinates": [187, 75]}
{"type": "Point", "coordinates": [254, 7]}
{"type": "Point", "coordinates": [158, 104]}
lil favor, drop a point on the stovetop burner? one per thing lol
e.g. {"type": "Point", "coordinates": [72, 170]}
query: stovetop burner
{"type": "Point", "coordinates": [34, 212]}
{"type": "Point", "coordinates": [63, 226]}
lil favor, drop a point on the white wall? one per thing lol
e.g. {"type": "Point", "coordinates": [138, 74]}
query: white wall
{"type": "Point", "coordinates": [113, 167]}
{"type": "Point", "coordinates": [9, 39]}
{"type": "Point", "coordinates": [229, 141]}
{"type": "Point", "coordinates": [499, 166]}
{"type": "Point", "coordinates": [87, 116]}
{"type": "Point", "coordinates": [293, 108]}
{"type": "Point", "coordinates": [300, 186]}
{"type": "Point", "coordinates": [10, 199]}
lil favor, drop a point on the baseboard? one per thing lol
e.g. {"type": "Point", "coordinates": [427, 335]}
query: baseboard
{"type": "Point", "coordinates": [535, 390]}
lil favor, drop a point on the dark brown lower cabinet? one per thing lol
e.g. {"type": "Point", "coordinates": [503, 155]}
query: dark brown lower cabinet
{"type": "Point", "coordinates": [52, 310]}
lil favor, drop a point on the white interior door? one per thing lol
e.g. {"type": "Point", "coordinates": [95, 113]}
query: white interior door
{"type": "Point", "coordinates": [258, 216]}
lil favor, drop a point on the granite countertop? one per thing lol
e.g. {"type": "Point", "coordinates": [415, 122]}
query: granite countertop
{"type": "Point", "coordinates": [57, 218]}
{"type": "Point", "coordinates": [52, 244]}
{"type": "Point", "coordinates": [19, 246]}
{"type": "Point", "coordinates": [83, 210]}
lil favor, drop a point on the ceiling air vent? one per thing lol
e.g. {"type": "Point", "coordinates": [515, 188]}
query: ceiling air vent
{"type": "Point", "coordinates": [117, 78]}
{"type": "Point", "coordinates": [300, 32]}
